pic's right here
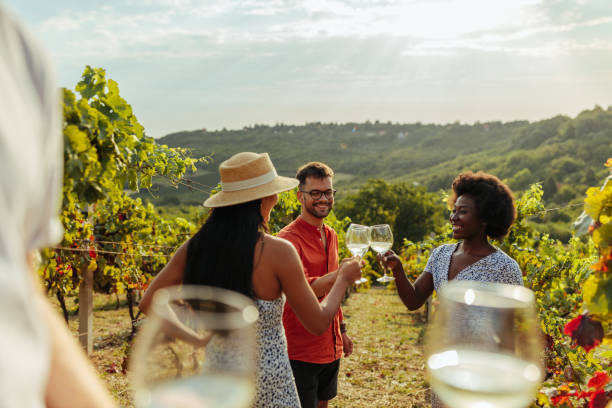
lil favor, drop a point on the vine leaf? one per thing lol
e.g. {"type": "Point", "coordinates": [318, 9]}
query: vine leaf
{"type": "Point", "coordinates": [585, 332]}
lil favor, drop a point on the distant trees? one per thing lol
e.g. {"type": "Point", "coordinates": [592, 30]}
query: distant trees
{"type": "Point", "coordinates": [550, 187]}
{"type": "Point", "coordinates": [411, 211]}
{"type": "Point", "coordinates": [563, 154]}
{"type": "Point", "coordinates": [521, 180]}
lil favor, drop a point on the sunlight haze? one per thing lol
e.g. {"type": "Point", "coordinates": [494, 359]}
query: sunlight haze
{"type": "Point", "coordinates": [186, 64]}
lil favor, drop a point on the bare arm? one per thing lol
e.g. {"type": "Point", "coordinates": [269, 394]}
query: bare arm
{"type": "Point", "coordinates": [314, 316]}
{"type": "Point", "coordinates": [173, 327]}
{"type": "Point", "coordinates": [171, 274]}
{"type": "Point", "coordinates": [321, 286]}
{"type": "Point", "coordinates": [413, 296]}
{"type": "Point", "coordinates": [72, 381]}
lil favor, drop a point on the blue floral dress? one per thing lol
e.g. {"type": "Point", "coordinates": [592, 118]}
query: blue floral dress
{"type": "Point", "coordinates": [496, 267]}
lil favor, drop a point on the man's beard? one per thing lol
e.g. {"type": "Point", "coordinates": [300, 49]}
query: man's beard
{"type": "Point", "coordinates": [311, 209]}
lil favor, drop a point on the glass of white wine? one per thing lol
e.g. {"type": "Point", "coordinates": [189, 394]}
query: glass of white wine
{"type": "Point", "coordinates": [381, 240]}
{"type": "Point", "coordinates": [357, 240]}
{"type": "Point", "coordinates": [195, 350]}
{"type": "Point", "coordinates": [484, 345]}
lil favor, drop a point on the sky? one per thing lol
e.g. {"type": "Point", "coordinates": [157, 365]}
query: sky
{"type": "Point", "coordinates": [188, 64]}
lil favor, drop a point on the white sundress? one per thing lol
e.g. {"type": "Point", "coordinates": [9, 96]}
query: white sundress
{"type": "Point", "coordinates": [275, 386]}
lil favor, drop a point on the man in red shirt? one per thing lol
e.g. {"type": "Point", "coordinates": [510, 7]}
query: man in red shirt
{"type": "Point", "coordinates": [315, 360]}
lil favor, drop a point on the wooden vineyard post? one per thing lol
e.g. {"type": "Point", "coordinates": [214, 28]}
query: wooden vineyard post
{"type": "Point", "coordinates": [86, 310]}
{"type": "Point", "coordinates": [86, 303]}
{"type": "Point", "coordinates": [428, 310]}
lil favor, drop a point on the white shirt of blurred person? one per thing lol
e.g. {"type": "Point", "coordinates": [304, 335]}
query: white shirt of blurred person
{"type": "Point", "coordinates": [40, 362]}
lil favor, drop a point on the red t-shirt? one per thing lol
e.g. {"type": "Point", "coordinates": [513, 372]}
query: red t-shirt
{"type": "Point", "coordinates": [317, 261]}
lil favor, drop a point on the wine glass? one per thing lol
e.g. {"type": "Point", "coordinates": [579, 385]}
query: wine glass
{"type": "Point", "coordinates": [381, 240]}
{"type": "Point", "coordinates": [483, 346]}
{"type": "Point", "coordinates": [196, 349]}
{"type": "Point", "coordinates": [357, 240]}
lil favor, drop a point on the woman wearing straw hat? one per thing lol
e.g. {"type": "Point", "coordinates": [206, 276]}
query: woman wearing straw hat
{"type": "Point", "coordinates": [233, 250]}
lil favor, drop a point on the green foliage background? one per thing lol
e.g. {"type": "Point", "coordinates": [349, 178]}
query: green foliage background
{"type": "Point", "coordinates": [124, 241]}
{"type": "Point", "coordinates": [107, 155]}
{"type": "Point", "coordinates": [563, 154]}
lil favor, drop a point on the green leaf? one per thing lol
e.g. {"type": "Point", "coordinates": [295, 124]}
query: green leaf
{"type": "Point", "coordinates": [92, 83]}
{"type": "Point", "coordinates": [78, 140]}
{"type": "Point", "coordinates": [593, 361]}
{"type": "Point", "coordinates": [145, 181]}
{"type": "Point", "coordinates": [132, 180]}
{"type": "Point", "coordinates": [602, 236]}
{"type": "Point", "coordinates": [69, 98]}
{"type": "Point", "coordinates": [597, 293]}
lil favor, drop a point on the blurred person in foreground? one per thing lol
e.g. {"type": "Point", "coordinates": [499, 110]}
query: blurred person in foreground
{"type": "Point", "coordinates": [41, 363]}
{"type": "Point", "coordinates": [482, 207]}
{"type": "Point", "coordinates": [233, 250]}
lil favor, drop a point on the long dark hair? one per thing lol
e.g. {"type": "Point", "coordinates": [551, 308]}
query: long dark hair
{"type": "Point", "coordinates": [221, 253]}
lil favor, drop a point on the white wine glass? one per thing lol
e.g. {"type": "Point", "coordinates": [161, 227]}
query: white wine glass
{"type": "Point", "coordinates": [197, 349]}
{"type": "Point", "coordinates": [381, 240]}
{"type": "Point", "coordinates": [357, 240]}
{"type": "Point", "coordinates": [484, 345]}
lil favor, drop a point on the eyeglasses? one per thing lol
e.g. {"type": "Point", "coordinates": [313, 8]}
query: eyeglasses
{"type": "Point", "coordinates": [316, 194]}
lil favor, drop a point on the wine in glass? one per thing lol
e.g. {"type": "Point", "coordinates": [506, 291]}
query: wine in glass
{"type": "Point", "coordinates": [357, 240]}
{"type": "Point", "coordinates": [381, 240]}
{"type": "Point", "coordinates": [196, 349]}
{"type": "Point", "coordinates": [483, 347]}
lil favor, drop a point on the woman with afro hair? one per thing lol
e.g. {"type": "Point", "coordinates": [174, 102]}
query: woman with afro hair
{"type": "Point", "coordinates": [482, 207]}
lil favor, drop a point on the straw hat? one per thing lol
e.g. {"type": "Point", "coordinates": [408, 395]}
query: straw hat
{"type": "Point", "coordinates": [246, 177]}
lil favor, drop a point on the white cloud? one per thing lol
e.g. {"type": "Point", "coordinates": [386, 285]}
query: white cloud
{"type": "Point", "coordinates": [422, 19]}
{"type": "Point", "coordinates": [302, 51]}
{"type": "Point", "coordinates": [62, 23]}
{"type": "Point", "coordinates": [179, 24]}
{"type": "Point", "coordinates": [527, 41]}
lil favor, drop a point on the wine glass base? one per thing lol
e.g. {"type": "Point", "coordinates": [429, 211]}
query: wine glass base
{"type": "Point", "coordinates": [385, 279]}
{"type": "Point", "coordinates": [360, 281]}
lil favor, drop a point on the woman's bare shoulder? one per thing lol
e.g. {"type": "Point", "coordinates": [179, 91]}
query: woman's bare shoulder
{"type": "Point", "coordinates": [278, 244]}
{"type": "Point", "coordinates": [280, 252]}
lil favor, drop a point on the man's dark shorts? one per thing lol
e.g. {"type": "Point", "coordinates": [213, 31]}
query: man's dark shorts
{"type": "Point", "coordinates": [315, 382]}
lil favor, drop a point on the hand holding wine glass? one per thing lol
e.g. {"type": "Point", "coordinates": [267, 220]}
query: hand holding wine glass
{"type": "Point", "coordinates": [389, 260]}
{"type": "Point", "coordinates": [381, 240]}
{"type": "Point", "coordinates": [483, 346]}
{"type": "Point", "coordinates": [357, 240]}
{"type": "Point", "coordinates": [196, 349]}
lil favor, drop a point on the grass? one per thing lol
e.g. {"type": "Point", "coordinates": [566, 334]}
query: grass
{"type": "Point", "coordinates": [111, 331]}
{"type": "Point", "coordinates": [386, 368]}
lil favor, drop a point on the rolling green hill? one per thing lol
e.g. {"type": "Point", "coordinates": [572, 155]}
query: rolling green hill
{"type": "Point", "coordinates": [565, 154]}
